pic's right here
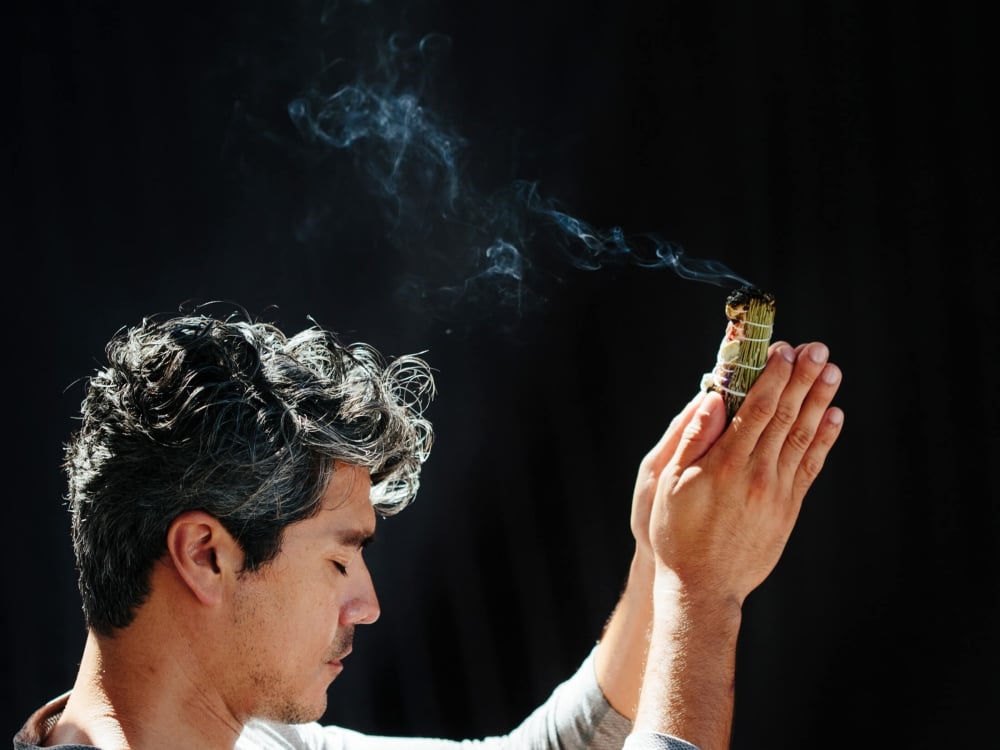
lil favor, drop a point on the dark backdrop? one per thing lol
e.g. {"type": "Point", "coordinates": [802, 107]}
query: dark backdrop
{"type": "Point", "coordinates": [840, 154]}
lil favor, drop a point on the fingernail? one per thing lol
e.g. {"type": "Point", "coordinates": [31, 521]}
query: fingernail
{"type": "Point", "coordinates": [836, 416]}
{"type": "Point", "coordinates": [818, 353]}
{"type": "Point", "coordinates": [788, 353]}
{"type": "Point", "coordinates": [830, 374]}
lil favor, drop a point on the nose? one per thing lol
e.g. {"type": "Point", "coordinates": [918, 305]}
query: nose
{"type": "Point", "coordinates": [361, 607]}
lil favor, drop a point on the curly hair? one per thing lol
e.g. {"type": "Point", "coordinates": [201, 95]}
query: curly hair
{"type": "Point", "coordinates": [232, 417]}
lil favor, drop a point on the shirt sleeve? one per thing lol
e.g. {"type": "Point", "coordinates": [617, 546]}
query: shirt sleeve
{"type": "Point", "coordinates": [654, 741]}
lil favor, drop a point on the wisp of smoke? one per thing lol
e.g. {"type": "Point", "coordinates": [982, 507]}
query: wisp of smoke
{"type": "Point", "coordinates": [477, 249]}
{"type": "Point", "coordinates": [594, 249]}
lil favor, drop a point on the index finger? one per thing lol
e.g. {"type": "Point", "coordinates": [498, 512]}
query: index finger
{"type": "Point", "coordinates": [761, 402]}
{"type": "Point", "coordinates": [810, 363]}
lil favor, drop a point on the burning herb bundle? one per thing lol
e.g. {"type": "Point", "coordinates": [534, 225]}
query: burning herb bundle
{"type": "Point", "coordinates": [743, 351]}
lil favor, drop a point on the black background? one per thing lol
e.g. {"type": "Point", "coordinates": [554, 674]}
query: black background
{"type": "Point", "coordinates": [840, 154]}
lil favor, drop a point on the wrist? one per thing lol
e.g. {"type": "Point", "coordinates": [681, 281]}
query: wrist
{"type": "Point", "coordinates": [689, 681]}
{"type": "Point", "coordinates": [643, 566]}
{"type": "Point", "coordinates": [692, 601]}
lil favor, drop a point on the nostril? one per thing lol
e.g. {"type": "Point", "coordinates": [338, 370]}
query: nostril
{"type": "Point", "coordinates": [360, 612]}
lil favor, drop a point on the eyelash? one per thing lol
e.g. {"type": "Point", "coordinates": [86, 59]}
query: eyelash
{"type": "Point", "coordinates": [340, 567]}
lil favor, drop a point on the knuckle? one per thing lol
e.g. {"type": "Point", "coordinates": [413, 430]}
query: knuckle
{"type": "Point", "coordinates": [760, 409]}
{"type": "Point", "coordinates": [812, 464]}
{"type": "Point", "coordinates": [759, 478]}
{"type": "Point", "coordinates": [785, 415]}
{"type": "Point", "coordinates": [728, 465]}
{"type": "Point", "coordinates": [800, 438]}
{"type": "Point", "coordinates": [807, 375]}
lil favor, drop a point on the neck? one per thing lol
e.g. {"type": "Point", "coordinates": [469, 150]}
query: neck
{"type": "Point", "coordinates": [133, 692]}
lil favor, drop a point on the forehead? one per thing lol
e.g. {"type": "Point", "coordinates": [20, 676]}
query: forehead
{"type": "Point", "coordinates": [349, 485]}
{"type": "Point", "coordinates": [346, 514]}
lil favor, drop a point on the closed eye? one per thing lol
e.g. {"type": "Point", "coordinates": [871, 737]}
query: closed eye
{"type": "Point", "coordinates": [342, 568]}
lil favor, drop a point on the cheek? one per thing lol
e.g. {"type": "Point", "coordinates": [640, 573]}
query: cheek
{"type": "Point", "coordinates": [312, 611]}
{"type": "Point", "coordinates": [287, 612]}
{"type": "Point", "coordinates": [264, 603]}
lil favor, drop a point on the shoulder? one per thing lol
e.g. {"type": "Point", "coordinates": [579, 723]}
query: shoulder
{"type": "Point", "coordinates": [35, 731]}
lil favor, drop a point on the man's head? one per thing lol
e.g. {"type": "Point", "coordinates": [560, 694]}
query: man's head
{"type": "Point", "coordinates": [272, 640]}
{"type": "Point", "coordinates": [231, 418]}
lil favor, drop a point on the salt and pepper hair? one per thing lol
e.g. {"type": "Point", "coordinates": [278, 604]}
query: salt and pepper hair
{"type": "Point", "coordinates": [232, 417]}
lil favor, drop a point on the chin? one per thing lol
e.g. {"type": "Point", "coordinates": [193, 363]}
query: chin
{"type": "Point", "coordinates": [294, 711]}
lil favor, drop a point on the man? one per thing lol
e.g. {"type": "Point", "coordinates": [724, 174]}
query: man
{"type": "Point", "coordinates": [225, 480]}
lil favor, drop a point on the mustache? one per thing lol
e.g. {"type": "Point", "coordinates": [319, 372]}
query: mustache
{"type": "Point", "coordinates": [342, 645]}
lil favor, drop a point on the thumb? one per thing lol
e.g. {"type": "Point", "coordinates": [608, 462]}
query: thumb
{"type": "Point", "coordinates": [702, 431]}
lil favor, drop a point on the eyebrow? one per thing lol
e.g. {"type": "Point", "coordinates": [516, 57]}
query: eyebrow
{"type": "Point", "coordinates": [355, 538]}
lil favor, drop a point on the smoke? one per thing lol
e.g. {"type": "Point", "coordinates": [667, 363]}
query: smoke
{"type": "Point", "coordinates": [470, 249]}
{"type": "Point", "coordinates": [592, 249]}
{"type": "Point", "coordinates": [407, 156]}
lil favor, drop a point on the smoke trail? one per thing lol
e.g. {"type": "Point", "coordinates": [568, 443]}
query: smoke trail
{"type": "Point", "coordinates": [595, 249]}
{"type": "Point", "coordinates": [475, 249]}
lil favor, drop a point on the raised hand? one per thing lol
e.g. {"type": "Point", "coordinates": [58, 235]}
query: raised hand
{"type": "Point", "coordinates": [728, 497]}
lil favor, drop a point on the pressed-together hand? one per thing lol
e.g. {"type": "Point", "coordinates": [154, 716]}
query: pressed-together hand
{"type": "Point", "coordinates": [727, 498]}
{"type": "Point", "coordinates": [650, 469]}
{"type": "Point", "coordinates": [714, 506]}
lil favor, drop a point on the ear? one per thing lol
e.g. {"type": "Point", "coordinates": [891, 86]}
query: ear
{"type": "Point", "coordinates": [203, 553]}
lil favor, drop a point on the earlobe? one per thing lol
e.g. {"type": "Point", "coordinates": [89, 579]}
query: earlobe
{"type": "Point", "coordinates": [200, 548]}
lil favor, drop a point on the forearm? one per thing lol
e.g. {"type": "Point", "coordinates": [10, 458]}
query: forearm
{"type": "Point", "coordinates": [689, 682]}
{"type": "Point", "coordinates": [620, 660]}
